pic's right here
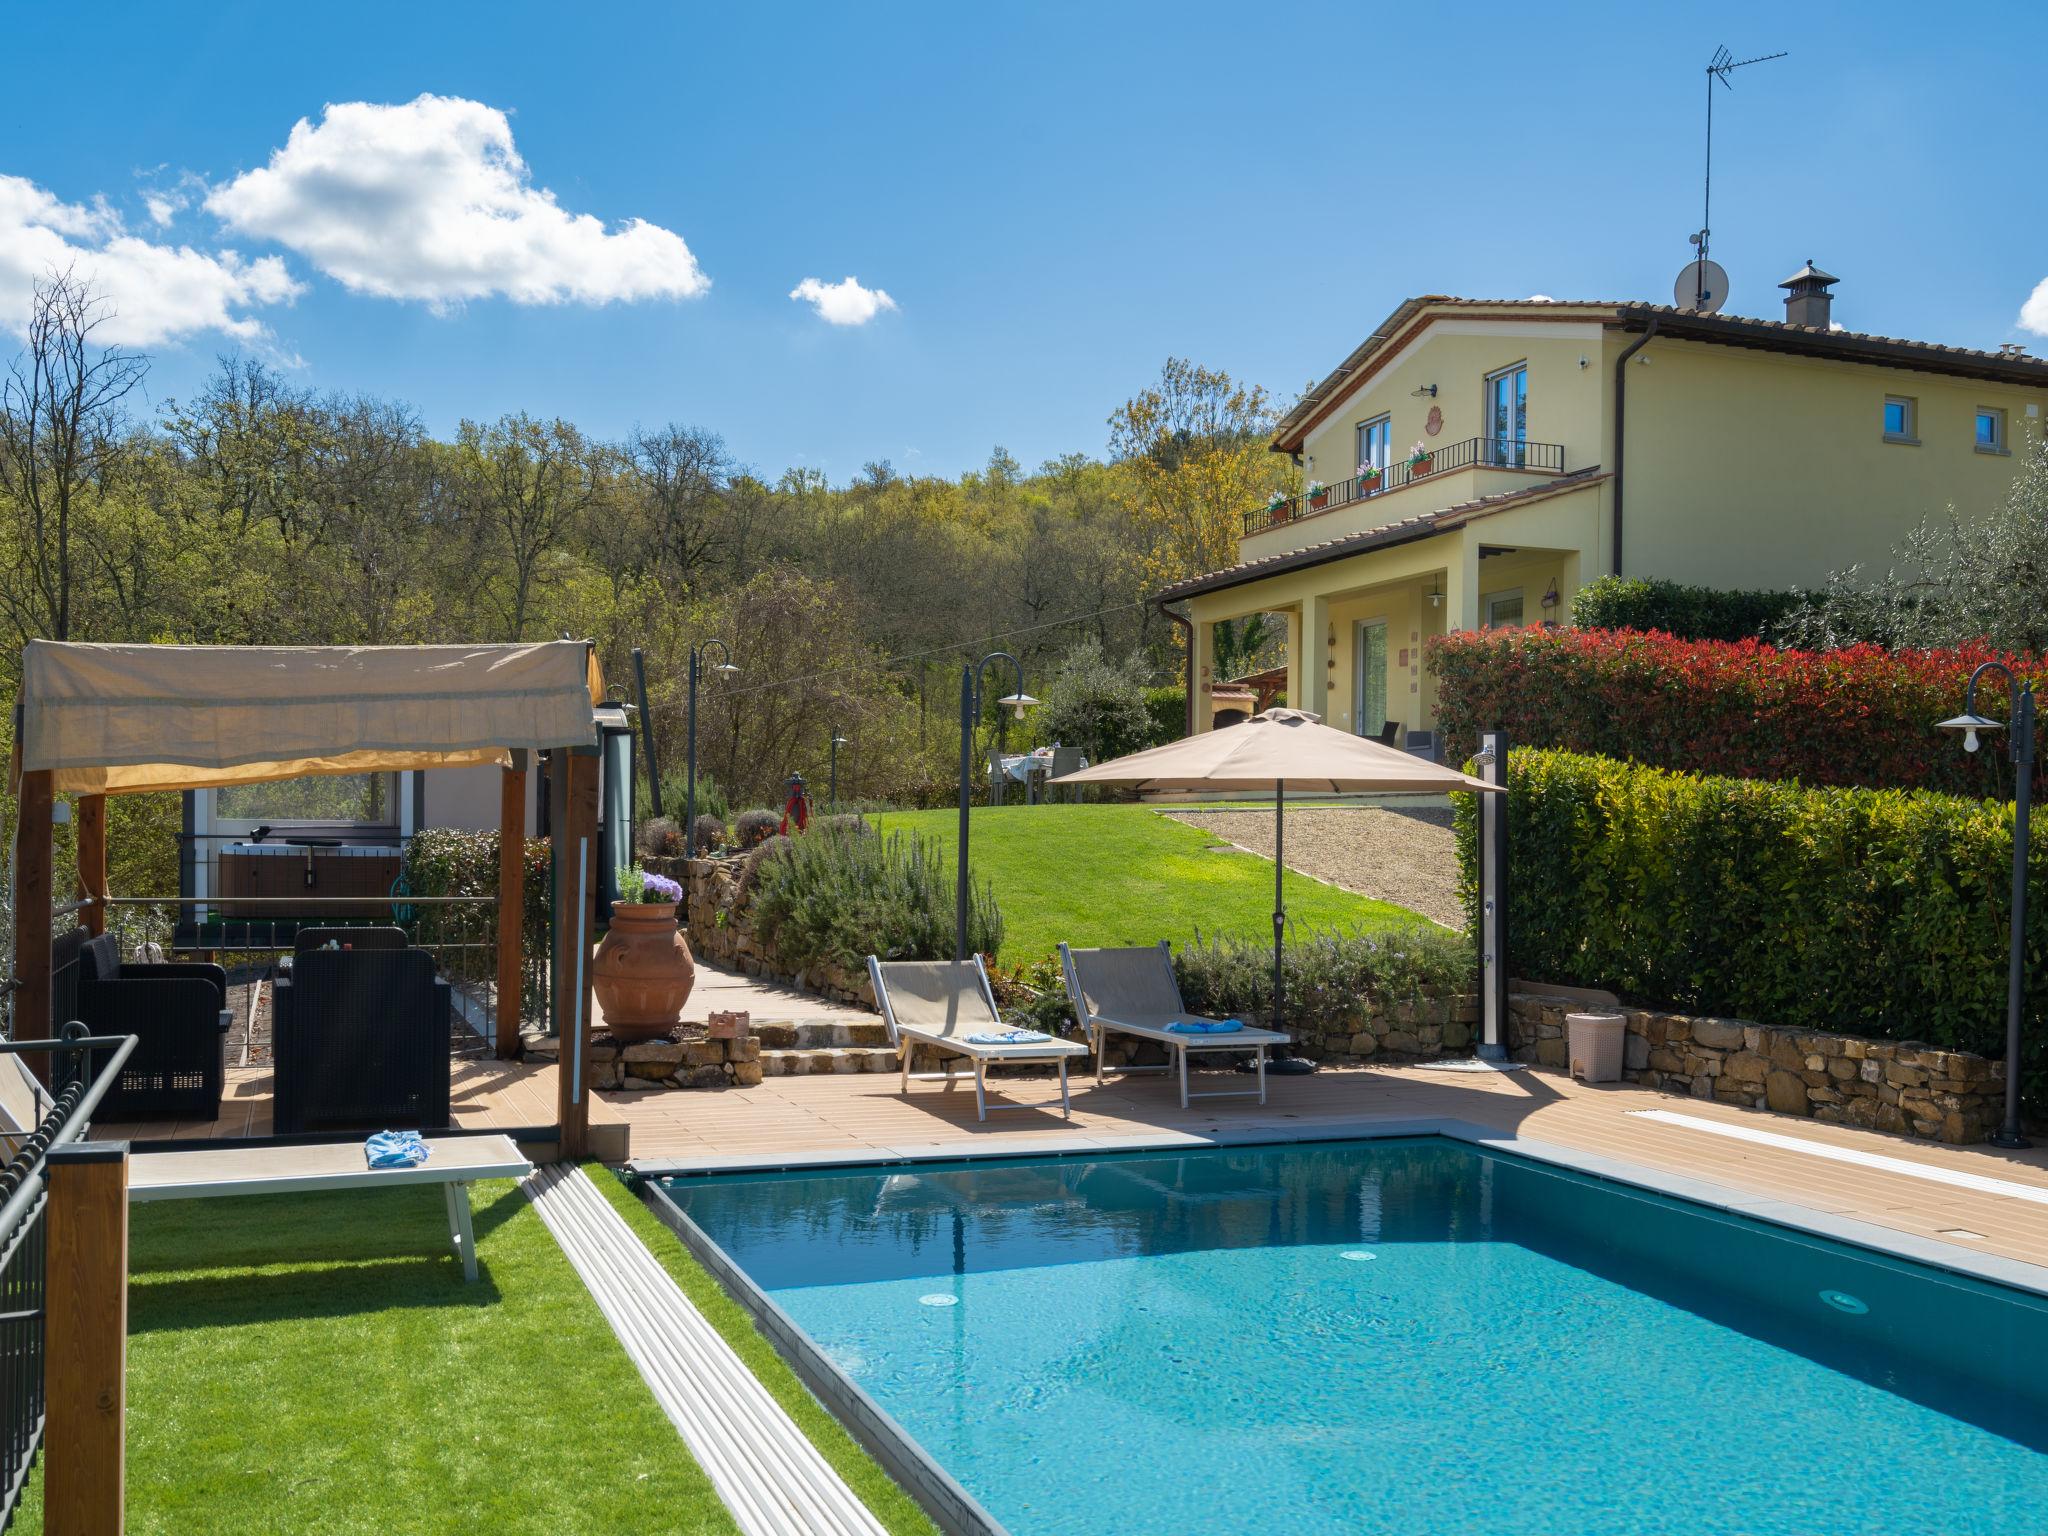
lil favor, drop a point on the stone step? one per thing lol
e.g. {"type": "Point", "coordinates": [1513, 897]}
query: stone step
{"type": "Point", "coordinates": [820, 1034]}
{"type": "Point", "coordinates": [827, 1059]}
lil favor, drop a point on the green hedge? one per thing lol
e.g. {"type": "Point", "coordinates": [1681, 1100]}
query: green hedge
{"type": "Point", "coordinates": [1691, 613]}
{"type": "Point", "coordinates": [1881, 913]}
{"type": "Point", "coordinates": [444, 861]}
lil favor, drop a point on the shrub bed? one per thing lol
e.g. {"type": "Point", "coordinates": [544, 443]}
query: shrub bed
{"type": "Point", "coordinates": [1348, 995]}
{"type": "Point", "coordinates": [1863, 715]}
{"type": "Point", "coordinates": [1674, 608]}
{"type": "Point", "coordinates": [1878, 913]}
{"type": "Point", "coordinates": [839, 893]}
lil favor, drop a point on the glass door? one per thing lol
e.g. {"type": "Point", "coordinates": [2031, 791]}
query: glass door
{"type": "Point", "coordinates": [1370, 716]}
{"type": "Point", "coordinates": [1375, 451]}
{"type": "Point", "coordinates": [1507, 417]}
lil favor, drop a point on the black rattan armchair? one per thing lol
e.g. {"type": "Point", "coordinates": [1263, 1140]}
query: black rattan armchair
{"type": "Point", "coordinates": [179, 1016]}
{"type": "Point", "coordinates": [360, 1039]}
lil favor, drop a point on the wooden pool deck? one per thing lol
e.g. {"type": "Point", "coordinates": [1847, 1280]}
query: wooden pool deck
{"type": "Point", "coordinates": [1976, 1198]}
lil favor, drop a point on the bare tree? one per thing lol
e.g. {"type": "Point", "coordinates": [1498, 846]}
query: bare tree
{"type": "Point", "coordinates": [685, 474]}
{"type": "Point", "coordinates": [525, 484]}
{"type": "Point", "coordinates": [61, 433]}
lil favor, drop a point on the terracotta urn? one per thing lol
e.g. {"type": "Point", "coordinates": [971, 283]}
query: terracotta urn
{"type": "Point", "coordinates": [642, 973]}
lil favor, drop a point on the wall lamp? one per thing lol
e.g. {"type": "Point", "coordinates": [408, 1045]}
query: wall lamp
{"type": "Point", "coordinates": [1426, 392]}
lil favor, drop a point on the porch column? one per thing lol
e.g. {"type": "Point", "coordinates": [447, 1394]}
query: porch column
{"type": "Point", "coordinates": [86, 1338]}
{"type": "Point", "coordinates": [32, 859]}
{"type": "Point", "coordinates": [572, 783]}
{"type": "Point", "coordinates": [1205, 668]}
{"type": "Point", "coordinates": [1461, 586]}
{"type": "Point", "coordinates": [1315, 657]}
{"type": "Point", "coordinates": [511, 902]}
{"type": "Point", "coordinates": [1569, 577]}
{"type": "Point", "coordinates": [92, 862]}
{"type": "Point", "coordinates": [1298, 659]}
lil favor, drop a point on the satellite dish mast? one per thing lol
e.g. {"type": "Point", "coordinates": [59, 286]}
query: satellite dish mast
{"type": "Point", "coordinates": [1710, 283]}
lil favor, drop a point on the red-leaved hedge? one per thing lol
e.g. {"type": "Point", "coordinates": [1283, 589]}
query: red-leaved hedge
{"type": "Point", "coordinates": [1859, 716]}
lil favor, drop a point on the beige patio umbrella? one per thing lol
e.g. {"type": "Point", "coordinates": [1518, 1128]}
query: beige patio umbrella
{"type": "Point", "coordinates": [1279, 750]}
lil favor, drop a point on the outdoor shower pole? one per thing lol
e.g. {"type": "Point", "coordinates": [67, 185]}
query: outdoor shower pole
{"type": "Point", "coordinates": [725, 668]}
{"type": "Point", "coordinates": [1279, 897]}
{"type": "Point", "coordinates": [970, 709]}
{"type": "Point", "coordinates": [1493, 900]}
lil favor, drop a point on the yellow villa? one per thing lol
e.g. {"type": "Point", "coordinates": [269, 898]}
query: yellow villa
{"type": "Point", "coordinates": [1481, 460]}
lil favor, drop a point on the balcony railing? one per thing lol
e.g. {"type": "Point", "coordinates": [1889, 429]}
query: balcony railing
{"type": "Point", "coordinates": [1486, 452]}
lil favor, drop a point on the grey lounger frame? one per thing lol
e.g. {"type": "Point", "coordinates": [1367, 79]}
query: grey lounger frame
{"type": "Point", "coordinates": [1097, 1025]}
{"type": "Point", "coordinates": [454, 1162]}
{"type": "Point", "coordinates": [905, 1036]}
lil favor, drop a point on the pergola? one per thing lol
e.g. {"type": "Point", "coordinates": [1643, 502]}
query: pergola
{"type": "Point", "coordinates": [99, 720]}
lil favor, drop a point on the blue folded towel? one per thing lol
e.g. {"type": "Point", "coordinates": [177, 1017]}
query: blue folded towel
{"type": "Point", "coordinates": [1008, 1037]}
{"type": "Point", "coordinates": [395, 1149]}
{"type": "Point", "coordinates": [1205, 1026]}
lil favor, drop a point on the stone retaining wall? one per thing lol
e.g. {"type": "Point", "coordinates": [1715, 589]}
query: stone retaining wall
{"type": "Point", "coordinates": [721, 930]}
{"type": "Point", "coordinates": [1886, 1085]}
{"type": "Point", "coordinates": [691, 1056]}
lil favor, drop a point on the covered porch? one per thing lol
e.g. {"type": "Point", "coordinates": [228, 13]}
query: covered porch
{"type": "Point", "coordinates": [1360, 610]}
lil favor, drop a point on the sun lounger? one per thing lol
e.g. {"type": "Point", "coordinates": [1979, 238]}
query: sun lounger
{"type": "Point", "coordinates": [455, 1162]}
{"type": "Point", "coordinates": [941, 1003]}
{"type": "Point", "coordinates": [1132, 992]}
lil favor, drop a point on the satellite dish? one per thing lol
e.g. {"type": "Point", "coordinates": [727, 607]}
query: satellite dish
{"type": "Point", "coordinates": [1702, 287]}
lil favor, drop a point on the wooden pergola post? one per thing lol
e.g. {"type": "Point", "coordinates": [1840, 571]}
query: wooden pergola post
{"type": "Point", "coordinates": [86, 1342]}
{"type": "Point", "coordinates": [92, 861]}
{"type": "Point", "coordinates": [32, 859]}
{"type": "Point", "coordinates": [511, 902]}
{"type": "Point", "coordinates": [572, 789]}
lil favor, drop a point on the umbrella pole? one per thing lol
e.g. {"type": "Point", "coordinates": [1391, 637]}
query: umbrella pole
{"type": "Point", "coordinates": [1290, 1064]}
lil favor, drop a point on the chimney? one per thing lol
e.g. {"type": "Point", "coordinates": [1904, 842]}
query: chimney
{"type": "Point", "coordinates": [1807, 300]}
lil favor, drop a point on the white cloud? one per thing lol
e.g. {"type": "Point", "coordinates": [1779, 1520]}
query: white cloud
{"type": "Point", "coordinates": [2034, 313]}
{"type": "Point", "coordinates": [163, 206]}
{"type": "Point", "coordinates": [431, 201]}
{"type": "Point", "coordinates": [842, 303]}
{"type": "Point", "coordinates": [155, 293]}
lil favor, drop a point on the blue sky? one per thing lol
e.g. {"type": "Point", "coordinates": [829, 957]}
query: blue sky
{"type": "Point", "coordinates": [1055, 197]}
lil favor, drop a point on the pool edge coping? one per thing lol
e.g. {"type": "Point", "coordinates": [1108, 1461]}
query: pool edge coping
{"type": "Point", "coordinates": [951, 1507]}
{"type": "Point", "coordinates": [1890, 1242]}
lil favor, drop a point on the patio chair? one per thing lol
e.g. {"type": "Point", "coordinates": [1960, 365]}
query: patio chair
{"type": "Point", "coordinates": [361, 1038]}
{"type": "Point", "coordinates": [1133, 992]}
{"type": "Point", "coordinates": [178, 1013]}
{"type": "Point", "coordinates": [943, 1004]}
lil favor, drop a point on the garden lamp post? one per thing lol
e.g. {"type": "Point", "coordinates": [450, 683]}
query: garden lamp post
{"type": "Point", "coordinates": [1971, 724]}
{"type": "Point", "coordinates": [838, 741]}
{"type": "Point", "coordinates": [725, 668]}
{"type": "Point", "coordinates": [970, 711]}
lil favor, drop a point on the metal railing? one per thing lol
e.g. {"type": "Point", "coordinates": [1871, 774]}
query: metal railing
{"type": "Point", "coordinates": [24, 1186]}
{"type": "Point", "coordinates": [1484, 452]}
{"type": "Point", "coordinates": [460, 932]}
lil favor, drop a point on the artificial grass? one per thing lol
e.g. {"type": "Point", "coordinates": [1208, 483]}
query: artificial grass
{"type": "Point", "coordinates": [897, 1511]}
{"type": "Point", "coordinates": [1123, 874]}
{"type": "Point", "coordinates": [318, 1366]}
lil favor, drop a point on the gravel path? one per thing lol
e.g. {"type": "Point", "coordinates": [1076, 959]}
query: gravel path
{"type": "Point", "coordinates": [1405, 856]}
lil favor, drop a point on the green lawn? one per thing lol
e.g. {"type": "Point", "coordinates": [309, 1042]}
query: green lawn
{"type": "Point", "coordinates": [1123, 874]}
{"type": "Point", "coordinates": [317, 1365]}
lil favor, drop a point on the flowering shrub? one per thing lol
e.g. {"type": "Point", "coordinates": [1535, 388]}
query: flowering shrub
{"type": "Point", "coordinates": [1420, 454]}
{"type": "Point", "coordinates": [1369, 472]}
{"type": "Point", "coordinates": [1315, 489]}
{"type": "Point", "coordinates": [1860, 911]}
{"type": "Point", "coordinates": [644, 886]}
{"type": "Point", "coordinates": [1863, 715]}
{"type": "Point", "coordinates": [1277, 502]}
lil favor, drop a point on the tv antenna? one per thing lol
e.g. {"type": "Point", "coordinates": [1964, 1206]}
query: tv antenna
{"type": "Point", "coordinates": [1705, 281]}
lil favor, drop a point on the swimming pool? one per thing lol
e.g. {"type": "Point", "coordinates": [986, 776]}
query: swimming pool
{"type": "Point", "coordinates": [1409, 1335]}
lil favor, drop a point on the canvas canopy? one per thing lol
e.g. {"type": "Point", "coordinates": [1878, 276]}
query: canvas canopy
{"type": "Point", "coordinates": [115, 719]}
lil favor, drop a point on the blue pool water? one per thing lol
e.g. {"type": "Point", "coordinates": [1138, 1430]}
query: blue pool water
{"type": "Point", "coordinates": [1397, 1336]}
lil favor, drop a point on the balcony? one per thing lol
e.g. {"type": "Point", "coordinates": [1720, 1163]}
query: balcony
{"type": "Point", "coordinates": [1474, 452]}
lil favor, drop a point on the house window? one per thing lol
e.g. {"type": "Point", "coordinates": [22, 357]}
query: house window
{"type": "Point", "coordinates": [1504, 609]}
{"type": "Point", "coordinates": [1375, 446]}
{"type": "Point", "coordinates": [1507, 416]}
{"type": "Point", "coordinates": [1990, 430]}
{"type": "Point", "coordinates": [1901, 419]}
